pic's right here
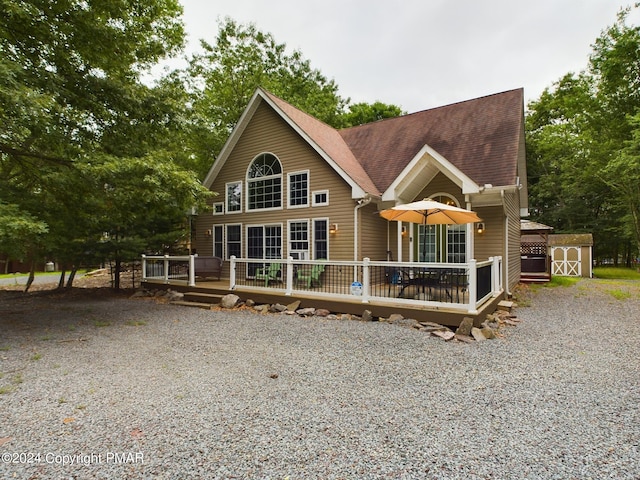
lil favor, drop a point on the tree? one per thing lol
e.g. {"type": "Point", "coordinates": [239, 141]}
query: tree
{"type": "Point", "coordinates": [361, 113]}
{"type": "Point", "coordinates": [77, 118]}
{"type": "Point", "coordinates": [222, 79]}
{"type": "Point", "coordinates": [581, 153]}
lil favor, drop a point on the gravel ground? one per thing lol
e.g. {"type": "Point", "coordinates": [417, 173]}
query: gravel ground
{"type": "Point", "coordinates": [136, 389]}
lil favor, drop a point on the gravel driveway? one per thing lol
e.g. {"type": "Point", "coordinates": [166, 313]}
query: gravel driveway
{"type": "Point", "coordinates": [134, 389]}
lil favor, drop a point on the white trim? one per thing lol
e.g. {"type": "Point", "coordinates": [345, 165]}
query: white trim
{"type": "Point", "coordinates": [218, 204]}
{"type": "Point", "coordinates": [289, 249]}
{"type": "Point", "coordinates": [289, 175]}
{"type": "Point", "coordinates": [319, 192]}
{"type": "Point", "coordinates": [425, 157]}
{"type": "Point", "coordinates": [313, 237]}
{"type": "Point", "coordinates": [265, 177]}
{"type": "Point", "coordinates": [226, 197]}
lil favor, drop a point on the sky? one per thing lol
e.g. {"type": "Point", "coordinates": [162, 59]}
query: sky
{"type": "Point", "coordinates": [420, 54]}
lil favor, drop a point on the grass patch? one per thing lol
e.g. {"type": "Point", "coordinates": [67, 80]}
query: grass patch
{"type": "Point", "coordinates": [7, 389]}
{"type": "Point", "coordinates": [100, 323]}
{"type": "Point", "coordinates": [136, 323]}
{"type": "Point", "coordinates": [6, 348]}
{"type": "Point", "coordinates": [618, 273]}
{"type": "Point", "coordinates": [36, 356]}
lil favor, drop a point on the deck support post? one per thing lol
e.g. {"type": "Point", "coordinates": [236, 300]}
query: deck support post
{"type": "Point", "coordinates": [289, 277]}
{"type": "Point", "coordinates": [192, 271]}
{"type": "Point", "coordinates": [232, 273]}
{"type": "Point", "coordinates": [365, 279]}
{"type": "Point", "coordinates": [473, 286]}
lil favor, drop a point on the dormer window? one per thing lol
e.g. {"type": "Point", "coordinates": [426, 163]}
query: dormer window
{"type": "Point", "coordinates": [264, 183]}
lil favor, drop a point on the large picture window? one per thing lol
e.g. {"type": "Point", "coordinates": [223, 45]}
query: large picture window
{"type": "Point", "coordinates": [264, 183]}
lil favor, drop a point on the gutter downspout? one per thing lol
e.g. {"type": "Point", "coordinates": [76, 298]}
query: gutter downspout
{"type": "Point", "coordinates": [362, 202]}
{"type": "Point", "coordinates": [505, 260]}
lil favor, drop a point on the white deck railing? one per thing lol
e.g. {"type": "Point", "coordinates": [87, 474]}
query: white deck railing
{"type": "Point", "coordinates": [458, 286]}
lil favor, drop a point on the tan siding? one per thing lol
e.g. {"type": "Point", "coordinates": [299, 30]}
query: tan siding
{"type": "Point", "coordinates": [442, 185]}
{"type": "Point", "coordinates": [267, 132]}
{"type": "Point", "coordinates": [376, 232]}
{"type": "Point", "coordinates": [491, 242]}
{"type": "Point", "coordinates": [512, 206]}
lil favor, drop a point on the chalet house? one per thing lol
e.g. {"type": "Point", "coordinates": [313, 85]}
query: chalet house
{"type": "Point", "coordinates": [291, 186]}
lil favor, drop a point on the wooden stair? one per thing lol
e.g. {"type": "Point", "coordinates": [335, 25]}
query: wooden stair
{"type": "Point", "coordinates": [199, 300]}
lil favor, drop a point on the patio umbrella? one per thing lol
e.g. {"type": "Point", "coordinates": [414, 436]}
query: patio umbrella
{"type": "Point", "coordinates": [430, 212]}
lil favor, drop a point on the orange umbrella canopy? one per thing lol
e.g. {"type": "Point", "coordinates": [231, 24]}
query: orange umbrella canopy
{"type": "Point", "coordinates": [430, 212]}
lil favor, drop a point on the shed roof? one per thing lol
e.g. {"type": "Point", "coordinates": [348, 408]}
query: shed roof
{"type": "Point", "coordinates": [571, 239]}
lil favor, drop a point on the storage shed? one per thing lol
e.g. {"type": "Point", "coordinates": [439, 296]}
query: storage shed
{"type": "Point", "coordinates": [572, 254]}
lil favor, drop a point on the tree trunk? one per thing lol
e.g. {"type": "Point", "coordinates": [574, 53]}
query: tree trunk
{"type": "Point", "coordinates": [32, 274]}
{"type": "Point", "coordinates": [116, 281]}
{"type": "Point", "coordinates": [61, 281]}
{"type": "Point", "coordinates": [72, 276]}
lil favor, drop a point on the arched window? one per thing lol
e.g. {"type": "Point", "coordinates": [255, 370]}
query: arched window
{"type": "Point", "coordinates": [442, 243]}
{"type": "Point", "coordinates": [264, 183]}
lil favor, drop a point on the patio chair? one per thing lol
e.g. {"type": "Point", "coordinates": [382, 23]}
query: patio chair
{"type": "Point", "coordinates": [269, 273]}
{"type": "Point", "coordinates": [310, 277]}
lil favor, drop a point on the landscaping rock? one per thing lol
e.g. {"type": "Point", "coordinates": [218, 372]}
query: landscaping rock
{"type": "Point", "coordinates": [322, 312]}
{"type": "Point", "coordinates": [293, 306]}
{"type": "Point", "coordinates": [367, 316]}
{"type": "Point", "coordinates": [446, 335]}
{"type": "Point", "coordinates": [464, 338]}
{"type": "Point", "coordinates": [249, 303]}
{"type": "Point", "coordinates": [277, 308]}
{"type": "Point", "coordinates": [229, 300]}
{"type": "Point", "coordinates": [488, 333]}
{"type": "Point", "coordinates": [465, 326]}
{"type": "Point", "coordinates": [174, 296]}
{"type": "Point", "coordinates": [306, 312]}
{"type": "Point", "coordinates": [394, 318]}
{"type": "Point", "coordinates": [477, 334]}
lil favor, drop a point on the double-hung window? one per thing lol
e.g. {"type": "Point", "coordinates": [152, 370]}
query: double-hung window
{"type": "Point", "coordinates": [299, 239]}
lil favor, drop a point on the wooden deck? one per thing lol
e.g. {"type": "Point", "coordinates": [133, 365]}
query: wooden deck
{"type": "Point", "coordinates": [212, 291]}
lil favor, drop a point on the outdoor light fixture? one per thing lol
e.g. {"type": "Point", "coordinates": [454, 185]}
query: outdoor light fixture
{"type": "Point", "coordinates": [480, 228]}
{"type": "Point", "coordinates": [404, 231]}
{"type": "Point", "coordinates": [208, 233]}
{"type": "Point", "coordinates": [333, 228]}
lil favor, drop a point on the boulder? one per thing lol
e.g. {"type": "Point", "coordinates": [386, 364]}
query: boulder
{"type": "Point", "coordinates": [488, 333]}
{"type": "Point", "coordinates": [229, 300]}
{"type": "Point", "coordinates": [477, 334]}
{"type": "Point", "coordinates": [465, 326]}
{"type": "Point", "coordinates": [446, 335]}
{"type": "Point", "coordinates": [293, 306]}
{"type": "Point", "coordinates": [174, 296]}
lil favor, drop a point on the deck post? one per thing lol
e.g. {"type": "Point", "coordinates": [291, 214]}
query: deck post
{"type": "Point", "coordinates": [289, 285]}
{"type": "Point", "coordinates": [365, 279]}
{"type": "Point", "coordinates": [495, 275]}
{"type": "Point", "coordinates": [192, 271]}
{"type": "Point", "coordinates": [144, 267]}
{"type": "Point", "coordinates": [473, 285]}
{"type": "Point", "coordinates": [232, 272]}
{"type": "Point", "coordinates": [166, 269]}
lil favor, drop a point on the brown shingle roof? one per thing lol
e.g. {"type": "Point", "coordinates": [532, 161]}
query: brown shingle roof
{"type": "Point", "coordinates": [480, 137]}
{"type": "Point", "coordinates": [330, 141]}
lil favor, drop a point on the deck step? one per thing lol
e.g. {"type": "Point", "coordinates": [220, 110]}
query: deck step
{"type": "Point", "coordinates": [184, 303]}
{"type": "Point", "coordinates": [202, 297]}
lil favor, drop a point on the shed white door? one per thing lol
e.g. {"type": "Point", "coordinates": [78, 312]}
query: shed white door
{"type": "Point", "coordinates": [566, 261]}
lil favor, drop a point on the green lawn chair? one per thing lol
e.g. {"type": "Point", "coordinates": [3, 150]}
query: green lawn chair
{"type": "Point", "coordinates": [269, 273]}
{"type": "Point", "coordinates": [310, 277]}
